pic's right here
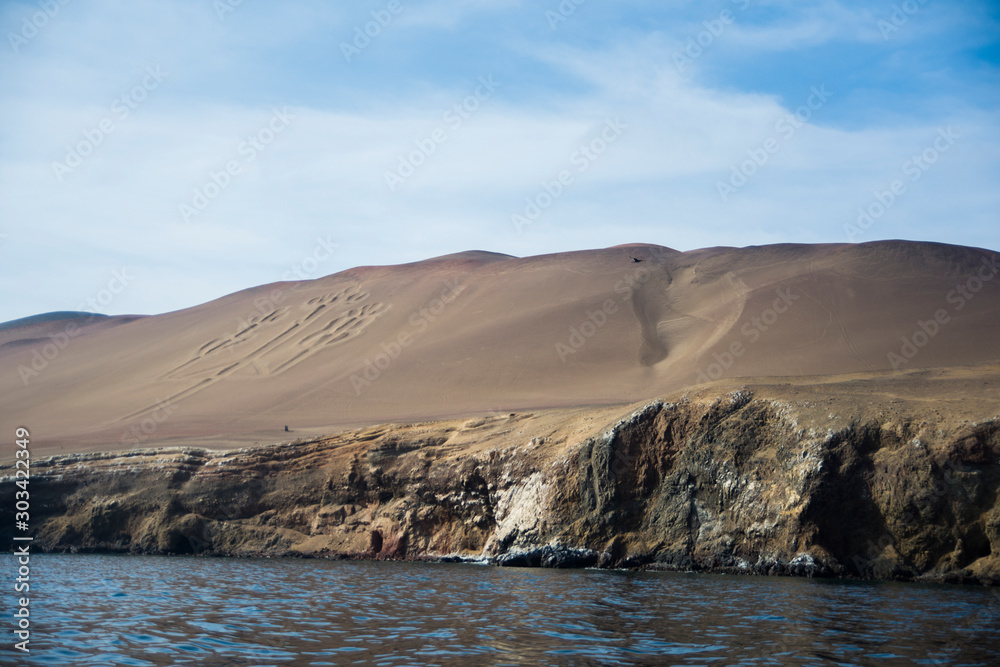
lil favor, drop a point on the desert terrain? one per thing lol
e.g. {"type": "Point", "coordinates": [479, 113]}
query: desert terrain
{"type": "Point", "coordinates": [482, 333]}
{"type": "Point", "coordinates": [800, 410]}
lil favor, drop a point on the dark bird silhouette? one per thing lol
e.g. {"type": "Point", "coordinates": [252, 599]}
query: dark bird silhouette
{"type": "Point", "coordinates": [636, 259]}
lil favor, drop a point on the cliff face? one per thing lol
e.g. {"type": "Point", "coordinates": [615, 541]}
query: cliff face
{"type": "Point", "coordinates": [758, 479]}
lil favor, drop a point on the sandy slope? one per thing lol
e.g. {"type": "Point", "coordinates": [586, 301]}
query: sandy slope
{"type": "Point", "coordinates": [479, 332]}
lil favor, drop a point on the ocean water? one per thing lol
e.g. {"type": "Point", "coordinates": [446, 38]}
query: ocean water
{"type": "Point", "coordinates": [137, 610]}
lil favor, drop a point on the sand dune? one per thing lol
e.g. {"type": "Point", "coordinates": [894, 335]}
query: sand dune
{"type": "Point", "coordinates": [480, 332]}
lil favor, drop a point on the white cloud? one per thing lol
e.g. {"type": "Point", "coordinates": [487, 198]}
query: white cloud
{"type": "Point", "coordinates": [325, 174]}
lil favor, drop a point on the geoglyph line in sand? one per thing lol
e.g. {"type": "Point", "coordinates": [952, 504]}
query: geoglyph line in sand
{"type": "Point", "coordinates": [285, 343]}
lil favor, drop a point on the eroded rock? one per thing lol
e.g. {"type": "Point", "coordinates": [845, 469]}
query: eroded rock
{"type": "Point", "coordinates": [739, 484]}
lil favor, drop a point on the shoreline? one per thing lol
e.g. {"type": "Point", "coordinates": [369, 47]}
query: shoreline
{"type": "Point", "coordinates": [766, 479]}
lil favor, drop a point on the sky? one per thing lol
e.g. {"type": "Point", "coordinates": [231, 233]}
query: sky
{"type": "Point", "coordinates": [157, 155]}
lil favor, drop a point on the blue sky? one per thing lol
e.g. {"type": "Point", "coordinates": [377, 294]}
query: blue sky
{"type": "Point", "coordinates": [207, 146]}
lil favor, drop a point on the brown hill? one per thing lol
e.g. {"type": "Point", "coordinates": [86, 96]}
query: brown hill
{"type": "Point", "coordinates": [479, 332]}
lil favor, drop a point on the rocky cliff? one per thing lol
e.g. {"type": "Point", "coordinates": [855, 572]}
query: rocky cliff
{"type": "Point", "coordinates": [867, 477]}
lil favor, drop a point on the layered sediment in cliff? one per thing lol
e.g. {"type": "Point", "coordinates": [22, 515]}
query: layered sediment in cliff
{"type": "Point", "coordinates": [766, 479]}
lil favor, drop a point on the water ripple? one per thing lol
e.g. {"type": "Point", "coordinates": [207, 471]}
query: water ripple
{"type": "Point", "coordinates": [152, 612]}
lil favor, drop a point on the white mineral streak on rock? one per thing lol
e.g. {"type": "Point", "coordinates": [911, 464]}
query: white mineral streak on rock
{"type": "Point", "coordinates": [520, 511]}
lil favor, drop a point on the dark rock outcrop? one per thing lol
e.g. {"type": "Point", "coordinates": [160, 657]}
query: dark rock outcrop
{"type": "Point", "coordinates": [739, 484]}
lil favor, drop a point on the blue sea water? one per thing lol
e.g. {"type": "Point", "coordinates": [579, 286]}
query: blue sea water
{"type": "Point", "coordinates": [149, 611]}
